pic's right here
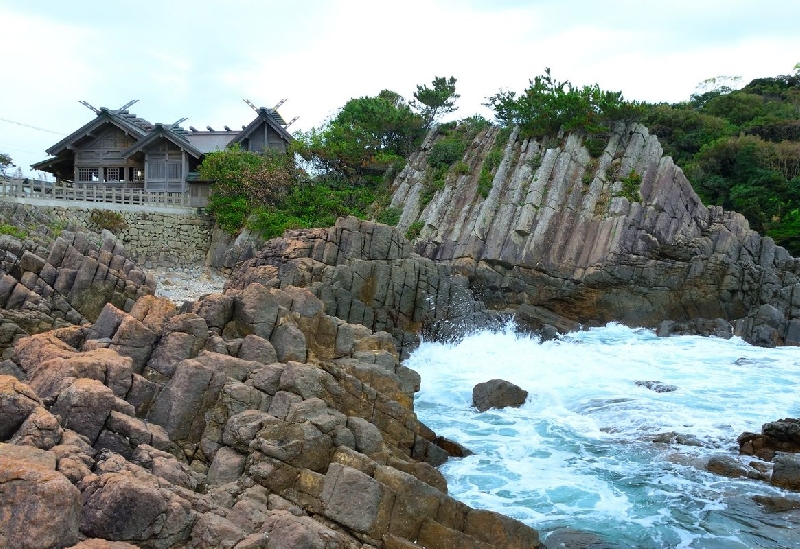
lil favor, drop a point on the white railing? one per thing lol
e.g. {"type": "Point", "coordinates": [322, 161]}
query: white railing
{"type": "Point", "coordinates": [90, 192]}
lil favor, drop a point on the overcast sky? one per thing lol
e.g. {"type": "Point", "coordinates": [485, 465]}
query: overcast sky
{"type": "Point", "coordinates": [199, 59]}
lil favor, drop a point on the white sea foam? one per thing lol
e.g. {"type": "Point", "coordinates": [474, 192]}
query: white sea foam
{"type": "Point", "coordinates": [579, 452]}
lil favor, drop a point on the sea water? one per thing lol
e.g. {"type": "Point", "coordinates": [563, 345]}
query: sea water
{"type": "Point", "coordinates": [580, 453]}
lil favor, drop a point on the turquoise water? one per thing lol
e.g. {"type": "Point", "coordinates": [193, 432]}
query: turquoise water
{"type": "Point", "coordinates": [579, 452]}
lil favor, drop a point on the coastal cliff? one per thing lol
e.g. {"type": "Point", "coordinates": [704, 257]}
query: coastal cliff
{"type": "Point", "coordinates": [620, 236]}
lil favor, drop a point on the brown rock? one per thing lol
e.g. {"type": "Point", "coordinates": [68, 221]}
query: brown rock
{"type": "Point", "coordinates": [433, 534]}
{"type": "Point", "coordinates": [368, 438]}
{"type": "Point", "coordinates": [343, 487]}
{"type": "Point", "coordinates": [255, 311]}
{"type": "Point", "coordinates": [290, 343]}
{"type": "Point", "coordinates": [786, 473]}
{"type": "Point", "coordinates": [134, 339]}
{"type": "Point", "coordinates": [120, 507]}
{"type": "Point", "coordinates": [154, 312]}
{"type": "Point", "coordinates": [39, 507]}
{"type": "Point", "coordinates": [215, 309]}
{"type": "Point", "coordinates": [31, 351]}
{"type": "Point", "coordinates": [236, 368]}
{"type": "Point", "coordinates": [301, 445]}
{"type": "Point", "coordinates": [213, 531]}
{"type": "Point", "coordinates": [414, 501]}
{"type": "Point", "coordinates": [181, 405]}
{"type": "Point", "coordinates": [171, 349]}
{"type": "Point", "coordinates": [40, 429]}
{"type": "Point", "coordinates": [49, 377]}
{"type": "Point", "coordinates": [257, 348]}
{"type": "Point", "coordinates": [102, 544]}
{"type": "Point", "coordinates": [84, 407]}
{"type": "Point", "coordinates": [227, 466]}
{"type": "Point", "coordinates": [501, 531]}
{"type": "Point", "coordinates": [286, 531]}
{"type": "Point", "coordinates": [17, 402]}
{"type": "Point", "coordinates": [729, 466]}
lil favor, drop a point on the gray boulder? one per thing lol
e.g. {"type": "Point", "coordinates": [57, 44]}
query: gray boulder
{"type": "Point", "coordinates": [497, 393]}
{"type": "Point", "coordinates": [657, 386]}
{"type": "Point", "coordinates": [786, 473]}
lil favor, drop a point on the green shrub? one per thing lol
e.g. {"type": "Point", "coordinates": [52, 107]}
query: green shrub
{"type": "Point", "coordinates": [230, 212]}
{"type": "Point", "coordinates": [549, 105]}
{"type": "Point", "coordinates": [108, 220]}
{"type": "Point", "coordinates": [389, 216]}
{"type": "Point", "coordinates": [494, 158]}
{"type": "Point", "coordinates": [309, 205]}
{"type": "Point", "coordinates": [447, 127]}
{"type": "Point", "coordinates": [631, 184]}
{"type": "Point", "coordinates": [535, 162]}
{"type": "Point", "coordinates": [461, 168]}
{"type": "Point", "coordinates": [485, 183]}
{"type": "Point", "coordinates": [589, 172]}
{"type": "Point", "coordinates": [414, 229]}
{"type": "Point", "coordinates": [12, 230]}
{"type": "Point", "coordinates": [595, 144]}
{"type": "Point", "coordinates": [446, 151]}
{"type": "Point", "coordinates": [270, 223]}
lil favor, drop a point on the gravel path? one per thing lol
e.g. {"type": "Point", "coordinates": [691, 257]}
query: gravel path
{"type": "Point", "coordinates": [187, 283]}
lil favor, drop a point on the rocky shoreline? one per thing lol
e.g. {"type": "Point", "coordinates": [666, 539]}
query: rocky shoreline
{"type": "Point", "coordinates": [182, 284]}
{"type": "Point", "coordinates": [270, 409]}
{"type": "Point", "coordinates": [247, 419]}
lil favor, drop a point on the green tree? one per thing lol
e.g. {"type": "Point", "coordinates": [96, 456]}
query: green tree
{"type": "Point", "coordinates": [436, 101]}
{"type": "Point", "coordinates": [244, 181]}
{"type": "Point", "coordinates": [366, 133]}
{"type": "Point", "coordinates": [714, 87]}
{"type": "Point", "coordinates": [548, 106]}
{"type": "Point", "coordinates": [683, 130]}
{"type": "Point", "coordinates": [5, 163]}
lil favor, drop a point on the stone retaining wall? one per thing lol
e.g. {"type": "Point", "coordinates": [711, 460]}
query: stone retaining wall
{"type": "Point", "coordinates": [151, 238]}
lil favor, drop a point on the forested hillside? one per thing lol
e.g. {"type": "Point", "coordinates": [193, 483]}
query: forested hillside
{"type": "Point", "coordinates": [741, 150]}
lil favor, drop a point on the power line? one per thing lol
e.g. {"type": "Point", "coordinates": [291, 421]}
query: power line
{"type": "Point", "coordinates": [29, 126]}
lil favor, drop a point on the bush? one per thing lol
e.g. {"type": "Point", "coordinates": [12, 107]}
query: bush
{"type": "Point", "coordinates": [414, 229]}
{"type": "Point", "coordinates": [485, 183]}
{"type": "Point", "coordinates": [108, 220]}
{"type": "Point", "coordinates": [270, 223]}
{"type": "Point", "coordinates": [548, 106]}
{"type": "Point", "coordinates": [446, 151]}
{"type": "Point", "coordinates": [311, 204]}
{"type": "Point", "coordinates": [230, 212]}
{"type": "Point", "coordinates": [461, 168]}
{"type": "Point", "coordinates": [535, 162]}
{"type": "Point", "coordinates": [389, 216]}
{"type": "Point", "coordinates": [631, 184]}
{"type": "Point", "coordinates": [12, 230]}
{"type": "Point", "coordinates": [595, 145]}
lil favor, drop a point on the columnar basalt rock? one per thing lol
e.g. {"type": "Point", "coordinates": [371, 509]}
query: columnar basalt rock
{"type": "Point", "coordinates": [67, 283]}
{"type": "Point", "coordinates": [253, 420]}
{"type": "Point", "coordinates": [619, 237]}
{"type": "Point", "coordinates": [365, 273]}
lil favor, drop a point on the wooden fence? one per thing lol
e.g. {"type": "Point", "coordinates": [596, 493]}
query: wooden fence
{"type": "Point", "coordinates": [34, 189]}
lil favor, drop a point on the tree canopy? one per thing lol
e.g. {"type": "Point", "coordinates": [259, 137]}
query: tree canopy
{"type": "Point", "coordinates": [548, 106]}
{"type": "Point", "coordinates": [438, 100]}
{"type": "Point", "coordinates": [366, 132]}
{"type": "Point", "coordinates": [5, 163]}
{"type": "Point", "coordinates": [740, 148]}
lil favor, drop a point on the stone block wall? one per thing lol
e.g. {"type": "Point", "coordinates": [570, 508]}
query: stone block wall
{"type": "Point", "coordinates": [151, 238]}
